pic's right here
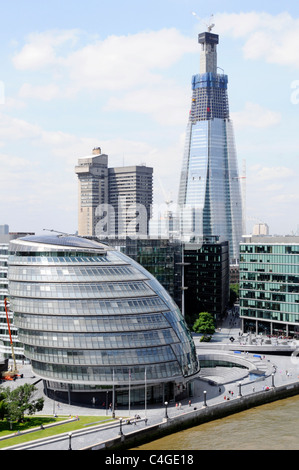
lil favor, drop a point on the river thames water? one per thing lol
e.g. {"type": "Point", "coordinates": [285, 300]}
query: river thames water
{"type": "Point", "coordinates": [268, 427]}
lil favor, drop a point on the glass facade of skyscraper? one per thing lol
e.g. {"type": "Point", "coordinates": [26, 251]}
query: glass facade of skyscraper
{"type": "Point", "coordinates": [269, 286]}
{"type": "Point", "coordinates": [91, 318]}
{"type": "Point", "coordinates": [209, 194]}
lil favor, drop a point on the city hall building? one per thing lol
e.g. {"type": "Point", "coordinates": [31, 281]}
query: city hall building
{"type": "Point", "coordinates": [96, 326]}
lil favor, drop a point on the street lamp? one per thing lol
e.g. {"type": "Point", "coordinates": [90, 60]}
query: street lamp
{"type": "Point", "coordinates": [240, 394]}
{"type": "Point", "coordinates": [120, 427]}
{"type": "Point", "coordinates": [273, 380]}
{"type": "Point", "coordinates": [204, 399]}
{"type": "Point", "coordinates": [166, 404]}
{"type": "Point", "coordinates": [183, 287]}
{"type": "Point", "coordinates": [70, 441]}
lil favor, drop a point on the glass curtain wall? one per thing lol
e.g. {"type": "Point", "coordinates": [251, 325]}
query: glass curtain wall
{"type": "Point", "coordinates": [210, 194]}
{"type": "Point", "coordinates": [95, 318]}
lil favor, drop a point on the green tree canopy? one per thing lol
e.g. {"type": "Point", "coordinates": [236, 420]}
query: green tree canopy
{"type": "Point", "coordinates": [233, 293]}
{"type": "Point", "coordinates": [204, 324]}
{"type": "Point", "coordinates": [17, 402]}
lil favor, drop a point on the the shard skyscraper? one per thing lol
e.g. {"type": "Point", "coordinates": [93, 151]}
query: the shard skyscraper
{"type": "Point", "coordinates": [210, 195]}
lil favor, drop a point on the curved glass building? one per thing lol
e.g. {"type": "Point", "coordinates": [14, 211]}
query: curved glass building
{"type": "Point", "coordinates": [95, 324]}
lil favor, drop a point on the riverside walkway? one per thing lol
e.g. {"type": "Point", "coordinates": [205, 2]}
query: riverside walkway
{"type": "Point", "coordinates": [213, 387]}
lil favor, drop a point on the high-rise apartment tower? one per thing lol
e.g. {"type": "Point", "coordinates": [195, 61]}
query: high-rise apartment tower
{"type": "Point", "coordinates": [130, 199]}
{"type": "Point", "coordinates": [92, 174]}
{"type": "Point", "coordinates": [113, 201]}
{"type": "Point", "coordinates": [209, 193]}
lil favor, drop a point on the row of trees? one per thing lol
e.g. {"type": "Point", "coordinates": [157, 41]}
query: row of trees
{"type": "Point", "coordinates": [14, 404]}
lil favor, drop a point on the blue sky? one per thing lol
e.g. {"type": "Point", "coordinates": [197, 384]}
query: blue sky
{"type": "Point", "coordinates": [78, 75]}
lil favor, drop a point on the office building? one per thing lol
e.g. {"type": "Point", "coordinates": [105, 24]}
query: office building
{"type": "Point", "coordinates": [269, 285]}
{"type": "Point", "coordinates": [209, 194]}
{"type": "Point", "coordinates": [130, 199]}
{"type": "Point", "coordinates": [5, 345]}
{"type": "Point", "coordinates": [96, 325]}
{"type": "Point", "coordinates": [207, 279]}
{"type": "Point", "coordinates": [260, 229]}
{"type": "Point", "coordinates": [4, 229]}
{"type": "Point", "coordinates": [113, 201]}
{"type": "Point", "coordinates": [195, 276]}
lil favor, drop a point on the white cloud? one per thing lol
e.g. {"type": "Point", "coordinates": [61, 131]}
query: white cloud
{"type": "Point", "coordinates": [13, 103]}
{"type": "Point", "coordinates": [286, 198]}
{"type": "Point", "coordinates": [255, 116]}
{"type": "Point", "coordinates": [123, 62]}
{"type": "Point", "coordinates": [274, 187]}
{"type": "Point", "coordinates": [43, 93]}
{"type": "Point", "coordinates": [273, 38]}
{"type": "Point", "coordinates": [242, 24]}
{"type": "Point", "coordinates": [41, 49]}
{"type": "Point", "coordinates": [167, 105]}
{"type": "Point", "coordinates": [271, 173]}
{"type": "Point", "coordinates": [115, 63]}
{"type": "Point", "coordinates": [11, 161]}
{"type": "Point", "coordinates": [14, 129]}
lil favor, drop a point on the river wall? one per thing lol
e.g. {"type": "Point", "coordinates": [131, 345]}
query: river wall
{"type": "Point", "coordinates": [196, 417]}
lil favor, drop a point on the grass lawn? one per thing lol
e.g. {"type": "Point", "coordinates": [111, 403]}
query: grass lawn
{"type": "Point", "coordinates": [37, 421]}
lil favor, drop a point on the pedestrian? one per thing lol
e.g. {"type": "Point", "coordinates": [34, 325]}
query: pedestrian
{"type": "Point", "coordinates": [189, 402]}
{"type": "Point", "coordinates": [219, 389]}
{"type": "Point", "coordinates": [180, 406]}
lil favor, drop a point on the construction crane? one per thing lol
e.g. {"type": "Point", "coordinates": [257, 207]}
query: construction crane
{"type": "Point", "coordinates": [209, 25]}
{"type": "Point", "coordinates": [10, 375]}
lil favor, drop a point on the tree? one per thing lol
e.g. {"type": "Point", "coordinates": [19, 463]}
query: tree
{"type": "Point", "coordinates": [233, 293]}
{"type": "Point", "coordinates": [2, 406]}
{"type": "Point", "coordinates": [204, 324]}
{"type": "Point", "coordinates": [19, 401]}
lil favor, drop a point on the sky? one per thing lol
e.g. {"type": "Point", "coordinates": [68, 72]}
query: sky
{"type": "Point", "coordinates": [117, 75]}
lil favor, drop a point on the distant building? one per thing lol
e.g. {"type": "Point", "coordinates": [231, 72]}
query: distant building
{"type": "Point", "coordinates": [93, 190]}
{"type": "Point", "coordinates": [260, 229]}
{"type": "Point", "coordinates": [131, 197]}
{"type": "Point", "coordinates": [234, 273]}
{"type": "Point", "coordinates": [113, 201]}
{"type": "Point", "coordinates": [269, 285]}
{"type": "Point", "coordinates": [4, 229]}
{"type": "Point", "coordinates": [5, 346]}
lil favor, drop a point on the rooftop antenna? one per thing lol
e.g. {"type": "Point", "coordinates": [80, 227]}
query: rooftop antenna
{"type": "Point", "coordinates": [60, 233]}
{"type": "Point", "coordinates": [210, 26]}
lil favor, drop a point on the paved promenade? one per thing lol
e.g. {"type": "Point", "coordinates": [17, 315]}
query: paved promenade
{"type": "Point", "coordinates": [284, 368]}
